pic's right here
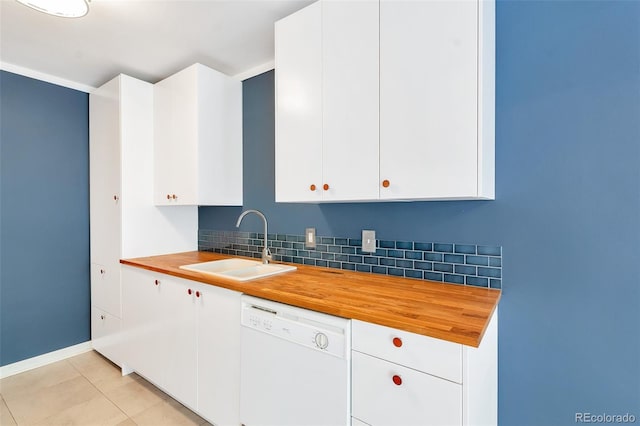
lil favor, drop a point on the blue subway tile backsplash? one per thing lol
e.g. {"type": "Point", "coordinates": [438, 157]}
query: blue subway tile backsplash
{"type": "Point", "coordinates": [490, 250]}
{"type": "Point", "coordinates": [477, 281]}
{"type": "Point", "coordinates": [416, 255]}
{"type": "Point", "coordinates": [406, 264]}
{"type": "Point", "coordinates": [466, 270]}
{"type": "Point", "coordinates": [446, 248]}
{"type": "Point", "coordinates": [465, 264]}
{"type": "Point", "coordinates": [387, 262]}
{"type": "Point", "coordinates": [490, 272]}
{"type": "Point", "coordinates": [387, 244]}
{"type": "Point", "coordinates": [477, 260]}
{"type": "Point", "coordinates": [434, 257]}
{"type": "Point", "coordinates": [423, 246]}
{"type": "Point", "coordinates": [465, 248]}
{"type": "Point", "coordinates": [454, 258]}
{"type": "Point", "coordinates": [443, 267]}
{"type": "Point", "coordinates": [452, 278]}
{"type": "Point", "coordinates": [404, 245]}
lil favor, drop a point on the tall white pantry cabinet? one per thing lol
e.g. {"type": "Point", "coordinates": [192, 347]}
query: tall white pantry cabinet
{"type": "Point", "coordinates": [124, 220]}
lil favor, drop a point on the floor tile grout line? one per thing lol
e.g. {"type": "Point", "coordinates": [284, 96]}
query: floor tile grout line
{"type": "Point", "coordinates": [164, 398]}
{"type": "Point", "coordinates": [9, 410]}
{"type": "Point", "coordinates": [102, 393]}
{"type": "Point", "coordinates": [86, 365]}
{"type": "Point", "coordinates": [22, 395]}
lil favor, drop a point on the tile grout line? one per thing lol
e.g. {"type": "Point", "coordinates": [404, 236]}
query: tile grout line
{"type": "Point", "coordinates": [78, 369]}
{"type": "Point", "coordinates": [102, 393]}
{"type": "Point", "coordinates": [9, 410]}
{"type": "Point", "coordinates": [164, 399]}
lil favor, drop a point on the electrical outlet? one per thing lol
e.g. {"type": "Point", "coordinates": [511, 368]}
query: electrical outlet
{"type": "Point", "coordinates": [368, 241]}
{"type": "Point", "coordinates": [310, 238]}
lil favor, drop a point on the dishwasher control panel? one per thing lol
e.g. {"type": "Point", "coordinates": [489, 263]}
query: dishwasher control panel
{"type": "Point", "coordinates": [312, 329]}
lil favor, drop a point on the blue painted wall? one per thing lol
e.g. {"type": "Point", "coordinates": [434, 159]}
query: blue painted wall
{"type": "Point", "coordinates": [567, 211]}
{"type": "Point", "coordinates": [44, 214]}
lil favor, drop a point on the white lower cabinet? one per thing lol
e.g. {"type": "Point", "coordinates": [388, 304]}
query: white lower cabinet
{"type": "Point", "coordinates": [105, 288]}
{"type": "Point", "coordinates": [184, 337]}
{"type": "Point", "coordinates": [105, 334]}
{"type": "Point", "coordinates": [401, 378]}
{"type": "Point", "coordinates": [219, 355]}
{"type": "Point", "coordinates": [385, 393]}
{"type": "Point", "coordinates": [142, 323]}
{"type": "Point", "coordinates": [178, 316]}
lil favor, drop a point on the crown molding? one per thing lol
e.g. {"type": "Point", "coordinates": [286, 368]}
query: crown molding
{"type": "Point", "coordinates": [38, 75]}
{"type": "Point", "coordinates": [252, 72]}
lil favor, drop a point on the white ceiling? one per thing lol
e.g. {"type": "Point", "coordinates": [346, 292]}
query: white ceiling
{"type": "Point", "coordinates": [146, 39]}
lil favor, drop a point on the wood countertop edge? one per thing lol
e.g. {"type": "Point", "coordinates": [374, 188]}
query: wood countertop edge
{"type": "Point", "coordinates": [458, 324]}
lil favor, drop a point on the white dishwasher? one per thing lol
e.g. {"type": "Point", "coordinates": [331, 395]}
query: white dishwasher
{"type": "Point", "coordinates": [295, 366]}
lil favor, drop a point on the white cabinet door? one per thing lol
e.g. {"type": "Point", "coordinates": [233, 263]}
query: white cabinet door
{"type": "Point", "coordinates": [159, 317]}
{"type": "Point", "coordinates": [385, 393]}
{"type": "Point", "coordinates": [198, 138]}
{"type": "Point", "coordinates": [327, 103]}
{"type": "Point", "coordinates": [298, 81]}
{"type": "Point", "coordinates": [175, 138]}
{"type": "Point", "coordinates": [104, 173]}
{"type": "Point", "coordinates": [105, 216]}
{"type": "Point", "coordinates": [178, 339]}
{"type": "Point", "coordinates": [143, 324]}
{"type": "Point", "coordinates": [350, 100]}
{"type": "Point", "coordinates": [219, 139]}
{"type": "Point", "coordinates": [219, 355]}
{"type": "Point", "coordinates": [105, 288]}
{"type": "Point", "coordinates": [105, 334]}
{"type": "Point", "coordinates": [429, 99]}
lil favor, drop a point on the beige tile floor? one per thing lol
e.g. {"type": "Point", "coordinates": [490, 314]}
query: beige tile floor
{"type": "Point", "coordinates": [87, 390]}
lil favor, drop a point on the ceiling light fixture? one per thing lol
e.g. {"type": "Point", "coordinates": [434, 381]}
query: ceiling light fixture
{"type": "Point", "coordinates": [62, 8]}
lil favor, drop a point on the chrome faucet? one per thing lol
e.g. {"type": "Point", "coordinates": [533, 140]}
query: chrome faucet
{"type": "Point", "coordinates": [266, 253]}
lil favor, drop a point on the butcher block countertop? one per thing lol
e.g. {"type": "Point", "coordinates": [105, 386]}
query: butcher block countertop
{"type": "Point", "coordinates": [451, 312]}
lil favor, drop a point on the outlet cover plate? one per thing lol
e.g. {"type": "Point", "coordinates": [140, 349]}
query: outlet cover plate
{"type": "Point", "coordinates": [368, 241]}
{"type": "Point", "coordinates": [310, 238]}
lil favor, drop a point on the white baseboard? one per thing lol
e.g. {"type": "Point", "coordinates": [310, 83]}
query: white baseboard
{"type": "Point", "coordinates": [44, 359]}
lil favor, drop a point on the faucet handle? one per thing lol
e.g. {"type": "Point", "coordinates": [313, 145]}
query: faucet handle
{"type": "Point", "coordinates": [266, 255]}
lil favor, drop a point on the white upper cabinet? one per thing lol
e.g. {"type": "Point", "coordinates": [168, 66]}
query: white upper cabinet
{"type": "Point", "coordinates": [431, 100]}
{"type": "Point", "coordinates": [385, 100]}
{"type": "Point", "coordinates": [327, 103]}
{"type": "Point", "coordinates": [298, 82]}
{"type": "Point", "coordinates": [350, 106]}
{"type": "Point", "coordinates": [198, 138]}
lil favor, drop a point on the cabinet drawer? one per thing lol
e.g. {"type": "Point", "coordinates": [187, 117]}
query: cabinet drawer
{"type": "Point", "coordinates": [105, 334]}
{"type": "Point", "coordinates": [423, 353]}
{"type": "Point", "coordinates": [385, 393]}
{"type": "Point", "coordinates": [105, 287]}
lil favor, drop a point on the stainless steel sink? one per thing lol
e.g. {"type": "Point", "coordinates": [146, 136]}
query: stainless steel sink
{"type": "Point", "coordinates": [239, 269]}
